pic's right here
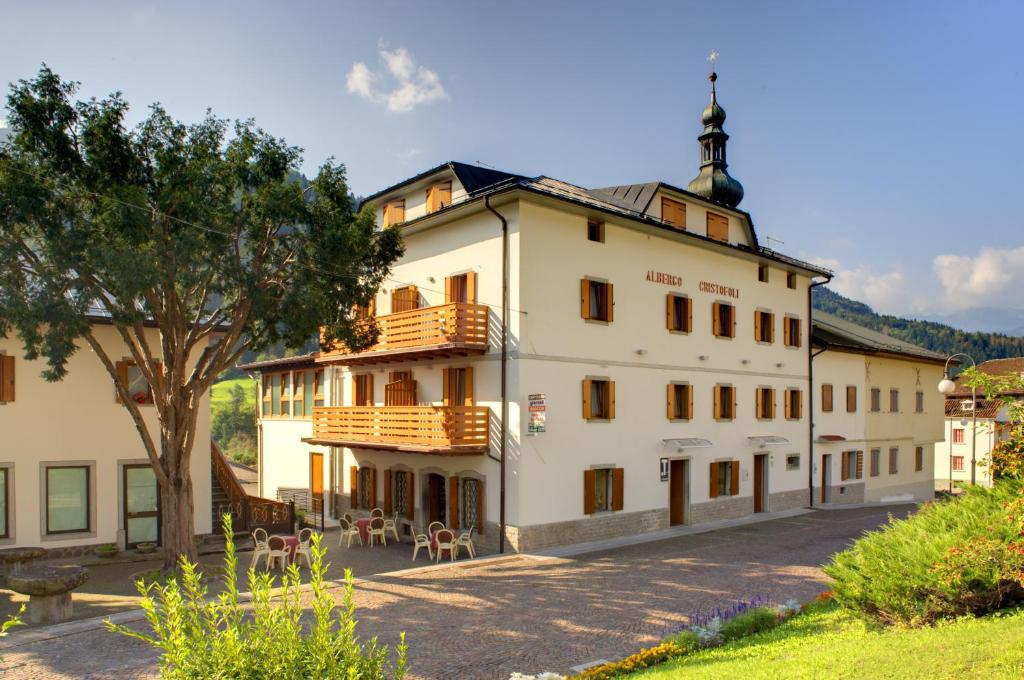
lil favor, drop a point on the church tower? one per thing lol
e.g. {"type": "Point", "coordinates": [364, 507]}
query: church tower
{"type": "Point", "coordinates": [714, 181]}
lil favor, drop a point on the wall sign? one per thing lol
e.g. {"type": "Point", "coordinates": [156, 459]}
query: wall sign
{"type": "Point", "coordinates": [538, 405]}
{"type": "Point", "coordinates": [718, 289]}
{"type": "Point", "coordinates": [662, 277]}
{"type": "Point", "coordinates": [664, 469]}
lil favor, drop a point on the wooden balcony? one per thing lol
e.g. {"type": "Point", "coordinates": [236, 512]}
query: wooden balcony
{"type": "Point", "coordinates": [443, 430]}
{"type": "Point", "coordinates": [454, 329]}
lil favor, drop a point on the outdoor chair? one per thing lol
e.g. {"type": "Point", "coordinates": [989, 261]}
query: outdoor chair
{"type": "Point", "coordinates": [465, 540]}
{"type": "Point", "coordinates": [348, 518]}
{"type": "Point", "coordinates": [434, 526]}
{"type": "Point", "coordinates": [305, 548]}
{"type": "Point", "coordinates": [377, 512]}
{"type": "Point", "coordinates": [277, 549]}
{"type": "Point", "coordinates": [446, 541]}
{"type": "Point", "coordinates": [348, 532]}
{"type": "Point", "coordinates": [391, 525]}
{"type": "Point", "coordinates": [260, 549]}
{"type": "Point", "coordinates": [422, 541]}
{"type": "Point", "coordinates": [377, 529]}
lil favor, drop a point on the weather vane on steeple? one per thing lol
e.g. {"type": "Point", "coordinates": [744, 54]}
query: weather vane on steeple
{"type": "Point", "coordinates": [713, 58]}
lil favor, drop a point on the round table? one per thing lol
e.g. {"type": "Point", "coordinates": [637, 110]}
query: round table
{"type": "Point", "coordinates": [293, 545]}
{"type": "Point", "coordinates": [363, 525]}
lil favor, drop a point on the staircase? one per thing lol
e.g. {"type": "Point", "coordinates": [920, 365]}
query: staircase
{"type": "Point", "coordinates": [221, 504]}
{"type": "Point", "coordinates": [247, 512]}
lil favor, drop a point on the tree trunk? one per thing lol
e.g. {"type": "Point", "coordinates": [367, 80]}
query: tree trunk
{"type": "Point", "coordinates": [177, 523]}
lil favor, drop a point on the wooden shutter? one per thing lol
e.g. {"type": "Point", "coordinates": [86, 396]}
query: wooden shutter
{"type": "Point", "coordinates": [718, 227]}
{"type": "Point", "coordinates": [734, 474]}
{"type": "Point", "coordinates": [844, 474]}
{"type": "Point", "coordinates": [122, 377]}
{"type": "Point", "coordinates": [480, 506]}
{"type": "Point", "coordinates": [671, 401]}
{"type": "Point", "coordinates": [587, 410]}
{"type": "Point", "coordinates": [735, 402]}
{"type": "Point", "coordinates": [789, 404]}
{"type": "Point", "coordinates": [369, 389]}
{"type": "Point", "coordinates": [589, 487]}
{"type": "Point", "coordinates": [468, 374]}
{"type": "Point", "coordinates": [471, 287]}
{"type": "Point", "coordinates": [713, 491]}
{"type": "Point", "coordinates": [717, 391]}
{"type": "Point", "coordinates": [860, 465]}
{"type": "Point", "coordinates": [453, 502]}
{"type": "Point", "coordinates": [851, 398]}
{"type": "Point", "coordinates": [799, 404]}
{"type": "Point", "coordinates": [410, 499]}
{"type": "Point", "coordinates": [609, 312]}
{"type": "Point", "coordinates": [758, 407]}
{"type": "Point", "coordinates": [371, 496]}
{"type": "Point", "coordinates": [798, 340]}
{"type": "Point", "coordinates": [757, 325]}
{"type": "Point", "coordinates": [611, 399]}
{"type": "Point", "coordinates": [618, 488]}
{"type": "Point", "coordinates": [689, 398]}
{"type": "Point", "coordinates": [826, 398]}
{"type": "Point", "coordinates": [771, 327]}
{"type": "Point", "coordinates": [670, 312]}
{"type": "Point", "coordinates": [449, 289]}
{"type": "Point", "coordinates": [689, 315]}
{"type": "Point", "coordinates": [716, 319]}
{"type": "Point", "coordinates": [6, 378]}
{"type": "Point", "coordinates": [585, 298]}
{"type": "Point", "coordinates": [353, 485]}
{"type": "Point", "coordinates": [673, 213]}
{"type": "Point", "coordinates": [786, 339]}
{"type": "Point", "coordinates": [388, 507]}
{"type": "Point", "coordinates": [446, 387]}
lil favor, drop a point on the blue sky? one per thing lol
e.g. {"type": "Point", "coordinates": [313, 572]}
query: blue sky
{"type": "Point", "coordinates": [880, 138]}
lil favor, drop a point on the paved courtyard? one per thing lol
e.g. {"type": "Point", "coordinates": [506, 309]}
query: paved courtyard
{"type": "Point", "coordinates": [488, 619]}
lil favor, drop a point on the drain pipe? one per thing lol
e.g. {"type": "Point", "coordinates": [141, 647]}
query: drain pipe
{"type": "Point", "coordinates": [504, 366]}
{"type": "Point", "coordinates": [810, 390]}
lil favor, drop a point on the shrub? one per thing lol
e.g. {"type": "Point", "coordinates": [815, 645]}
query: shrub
{"type": "Point", "coordinates": [949, 559]}
{"type": "Point", "coordinates": [201, 637]}
{"type": "Point", "coordinates": [750, 622]}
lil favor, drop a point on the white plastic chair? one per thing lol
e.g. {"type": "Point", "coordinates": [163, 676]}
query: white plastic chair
{"type": "Point", "coordinates": [434, 526]}
{"type": "Point", "coordinates": [446, 541]}
{"type": "Point", "coordinates": [348, 518]}
{"type": "Point", "coordinates": [377, 529]}
{"type": "Point", "coordinates": [465, 540]}
{"type": "Point", "coordinates": [277, 549]}
{"type": "Point", "coordinates": [422, 541]}
{"type": "Point", "coordinates": [260, 549]}
{"type": "Point", "coordinates": [348, 532]}
{"type": "Point", "coordinates": [392, 526]}
{"type": "Point", "coordinates": [305, 547]}
{"type": "Point", "coordinates": [377, 512]}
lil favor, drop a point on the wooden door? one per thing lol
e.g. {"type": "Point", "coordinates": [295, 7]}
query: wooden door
{"type": "Point", "coordinates": [141, 502]}
{"type": "Point", "coordinates": [826, 476]}
{"type": "Point", "coordinates": [759, 475]}
{"type": "Point", "coordinates": [436, 511]}
{"type": "Point", "coordinates": [316, 481]}
{"type": "Point", "coordinates": [678, 487]}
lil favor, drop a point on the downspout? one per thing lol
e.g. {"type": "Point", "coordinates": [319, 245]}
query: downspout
{"type": "Point", "coordinates": [810, 389]}
{"type": "Point", "coordinates": [504, 367]}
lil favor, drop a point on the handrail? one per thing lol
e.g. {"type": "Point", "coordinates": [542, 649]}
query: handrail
{"type": "Point", "coordinates": [425, 426]}
{"type": "Point", "coordinates": [253, 511]}
{"type": "Point", "coordinates": [451, 323]}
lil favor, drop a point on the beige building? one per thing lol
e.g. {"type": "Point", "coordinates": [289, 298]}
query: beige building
{"type": "Point", "coordinates": [877, 415]}
{"type": "Point", "coordinates": [570, 363]}
{"type": "Point", "coordinates": [73, 471]}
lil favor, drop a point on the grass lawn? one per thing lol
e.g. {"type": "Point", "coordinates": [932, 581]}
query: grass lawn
{"type": "Point", "coordinates": [829, 643]}
{"type": "Point", "coordinates": [220, 393]}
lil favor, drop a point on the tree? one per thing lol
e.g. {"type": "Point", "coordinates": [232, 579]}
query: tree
{"type": "Point", "coordinates": [203, 234]}
{"type": "Point", "coordinates": [233, 427]}
{"type": "Point", "coordinates": [1007, 457]}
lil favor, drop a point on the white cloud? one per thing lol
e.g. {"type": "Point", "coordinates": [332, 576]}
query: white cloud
{"type": "Point", "coordinates": [992, 278]}
{"type": "Point", "coordinates": [411, 85]}
{"type": "Point", "coordinates": [884, 291]}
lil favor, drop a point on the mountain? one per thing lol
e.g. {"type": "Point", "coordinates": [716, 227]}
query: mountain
{"type": "Point", "coordinates": [938, 337]}
{"type": "Point", "coordinates": [1006, 320]}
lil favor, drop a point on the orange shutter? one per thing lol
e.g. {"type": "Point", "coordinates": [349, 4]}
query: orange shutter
{"type": "Point", "coordinates": [446, 386]}
{"type": "Point", "coordinates": [122, 377]}
{"type": "Point", "coordinates": [789, 404]}
{"type": "Point", "coordinates": [758, 405]}
{"type": "Point", "coordinates": [717, 227]}
{"type": "Point", "coordinates": [618, 488]}
{"type": "Point", "coordinates": [471, 287]}
{"type": "Point", "coordinates": [716, 319]}
{"type": "Point", "coordinates": [757, 325]}
{"type": "Point", "coordinates": [798, 340]}
{"type": "Point", "coordinates": [371, 497]}
{"type": "Point", "coordinates": [449, 289]}
{"type": "Point", "coordinates": [410, 507]}
{"type": "Point", "coordinates": [611, 399]}
{"type": "Point", "coordinates": [689, 315]}
{"type": "Point", "coordinates": [799, 404]}
{"type": "Point", "coordinates": [670, 317]}
{"type": "Point", "coordinates": [453, 502]}
{"type": "Point", "coordinates": [771, 328]}
{"type": "Point", "coordinates": [713, 492]}
{"type": "Point", "coordinates": [671, 401]}
{"type": "Point", "coordinates": [717, 390]}
{"type": "Point", "coordinates": [732, 317]}
{"type": "Point", "coordinates": [610, 311]}
{"type": "Point", "coordinates": [735, 402]}
{"type": "Point", "coordinates": [585, 298]}
{"type": "Point", "coordinates": [6, 378]}
{"type": "Point", "coordinates": [689, 399]}
{"type": "Point", "coordinates": [785, 332]}
{"type": "Point", "coordinates": [369, 389]}
{"type": "Point", "coordinates": [844, 474]}
{"type": "Point", "coordinates": [388, 508]}
{"type": "Point", "coordinates": [860, 465]}
{"type": "Point", "coordinates": [353, 485]}
{"type": "Point", "coordinates": [589, 488]}
{"type": "Point", "coordinates": [469, 385]}
{"type": "Point", "coordinates": [734, 481]}
{"type": "Point", "coordinates": [586, 399]}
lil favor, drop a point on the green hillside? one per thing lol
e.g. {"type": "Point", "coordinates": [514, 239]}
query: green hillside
{"type": "Point", "coordinates": [928, 334]}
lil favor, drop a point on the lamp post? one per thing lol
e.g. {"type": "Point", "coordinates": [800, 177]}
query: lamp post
{"type": "Point", "coordinates": [948, 387]}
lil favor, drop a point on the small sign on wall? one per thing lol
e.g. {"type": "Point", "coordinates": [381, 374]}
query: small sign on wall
{"type": "Point", "coordinates": [664, 469]}
{"type": "Point", "coordinates": [537, 408]}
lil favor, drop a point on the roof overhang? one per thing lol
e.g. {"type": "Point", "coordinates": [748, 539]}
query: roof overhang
{"type": "Point", "coordinates": [687, 443]}
{"type": "Point", "coordinates": [826, 438]}
{"type": "Point", "coordinates": [767, 440]}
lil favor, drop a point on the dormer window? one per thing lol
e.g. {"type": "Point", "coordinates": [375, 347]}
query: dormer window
{"type": "Point", "coordinates": [967, 405]}
{"type": "Point", "coordinates": [439, 196]}
{"type": "Point", "coordinates": [394, 212]}
{"type": "Point", "coordinates": [673, 213]}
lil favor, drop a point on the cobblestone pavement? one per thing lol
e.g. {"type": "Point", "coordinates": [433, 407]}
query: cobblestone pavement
{"type": "Point", "coordinates": [533, 614]}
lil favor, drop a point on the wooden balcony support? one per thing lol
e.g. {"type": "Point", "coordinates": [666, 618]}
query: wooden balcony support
{"type": "Point", "coordinates": [442, 430]}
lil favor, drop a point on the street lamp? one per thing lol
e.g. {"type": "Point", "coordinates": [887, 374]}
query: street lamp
{"type": "Point", "coordinates": [948, 387]}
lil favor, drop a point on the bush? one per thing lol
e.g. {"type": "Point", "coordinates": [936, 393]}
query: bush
{"type": "Point", "coordinates": [203, 638]}
{"type": "Point", "coordinates": [951, 558]}
{"type": "Point", "coordinates": [749, 623]}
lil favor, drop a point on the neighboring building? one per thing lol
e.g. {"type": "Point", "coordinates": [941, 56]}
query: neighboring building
{"type": "Point", "coordinates": [953, 455]}
{"type": "Point", "coordinates": [877, 415]}
{"type": "Point", "coordinates": [73, 471]}
{"type": "Point", "coordinates": [655, 366]}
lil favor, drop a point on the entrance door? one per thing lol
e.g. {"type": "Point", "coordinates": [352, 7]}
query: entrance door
{"type": "Point", "coordinates": [826, 476]}
{"type": "Point", "coordinates": [760, 472]}
{"type": "Point", "coordinates": [679, 483]}
{"type": "Point", "coordinates": [436, 506]}
{"type": "Point", "coordinates": [316, 481]}
{"type": "Point", "coordinates": [141, 505]}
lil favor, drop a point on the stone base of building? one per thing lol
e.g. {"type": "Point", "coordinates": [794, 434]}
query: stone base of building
{"type": "Point", "coordinates": [843, 494]}
{"type": "Point", "coordinates": [723, 507]}
{"type": "Point", "coordinates": [596, 528]}
{"type": "Point", "coordinates": [787, 500]}
{"type": "Point", "coordinates": [916, 491]}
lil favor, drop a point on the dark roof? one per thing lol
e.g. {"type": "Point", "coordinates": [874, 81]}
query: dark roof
{"type": "Point", "coordinates": [630, 196]}
{"type": "Point", "coordinates": [473, 178]}
{"type": "Point", "coordinates": [300, 360]}
{"type": "Point", "coordinates": [831, 331]}
{"type": "Point", "coordinates": [986, 408]}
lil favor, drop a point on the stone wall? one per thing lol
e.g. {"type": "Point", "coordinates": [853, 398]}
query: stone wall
{"type": "Point", "coordinates": [843, 494]}
{"type": "Point", "coordinates": [787, 500]}
{"type": "Point", "coordinates": [595, 528]}
{"type": "Point", "coordinates": [723, 507]}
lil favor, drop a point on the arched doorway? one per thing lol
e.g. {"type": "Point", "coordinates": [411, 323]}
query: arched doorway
{"type": "Point", "coordinates": [435, 505]}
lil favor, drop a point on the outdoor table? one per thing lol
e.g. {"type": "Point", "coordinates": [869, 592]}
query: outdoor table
{"type": "Point", "coordinates": [49, 590]}
{"type": "Point", "coordinates": [293, 545]}
{"type": "Point", "coordinates": [363, 524]}
{"type": "Point", "coordinates": [433, 539]}
{"type": "Point", "coordinates": [16, 558]}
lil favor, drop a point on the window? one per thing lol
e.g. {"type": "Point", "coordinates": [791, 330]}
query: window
{"type": "Point", "coordinates": [765, 400]}
{"type": "Point", "coordinates": [919, 402]}
{"type": "Point", "coordinates": [725, 478]}
{"type": "Point", "coordinates": [138, 387]}
{"type": "Point", "coordinates": [595, 231]}
{"type": "Point", "coordinates": [894, 461]}
{"type": "Point", "coordinates": [876, 462]}
{"type": "Point", "coordinates": [680, 401]}
{"type": "Point", "coordinates": [5, 493]}
{"type": "Point", "coordinates": [918, 458]}
{"type": "Point", "coordinates": [894, 401]}
{"type": "Point", "coordinates": [718, 227]}
{"type": "Point", "coordinates": [851, 398]}
{"type": "Point", "coordinates": [318, 387]}
{"type": "Point", "coordinates": [793, 461]}
{"type": "Point", "coordinates": [958, 463]}
{"type": "Point", "coordinates": [723, 320]}
{"type": "Point", "coordinates": [596, 301]}
{"type": "Point", "coordinates": [791, 332]}
{"type": "Point", "coordinates": [6, 379]}
{"type": "Point", "coordinates": [460, 288]}
{"type": "Point", "coordinates": [602, 490]}
{"type": "Point", "coordinates": [725, 402]}
{"type": "Point", "coordinates": [853, 465]}
{"type": "Point", "coordinates": [363, 483]}
{"type": "Point", "coordinates": [794, 404]}
{"type": "Point", "coordinates": [457, 386]}
{"type": "Point", "coordinates": [764, 326]}
{"type": "Point", "coordinates": [673, 213]}
{"type": "Point", "coordinates": [598, 399]}
{"type": "Point", "coordinates": [679, 313]}
{"type": "Point", "coordinates": [277, 395]}
{"type": "Point", "coordinates": [876, 400]}
{"type": "Point", "coordinates": [471, 503]}
{"type": "Point", "coordinates": [439, 196]}
{"type": "Point", "coordinates": [791, 280]}
{"type": "Point", "coordinates": [362, 390]}
{"type": "Point", "coordinates": [404, 299]}
{"type": "Point", "coordinates": [826, 398]}
{"type": "Point", "coordinates": [394, 212]}
{"type": "Point", "coordinates": [958, 435]}
{"type": "Point", "coordinates": [284, 394]}
{"type": "Point", "coordinates": [308, 392]}
{"type": "Point", "coordinates": [365, 312]}
{"type": "Point", "coordinates": [762, 273]}
{"type": "Point", "coordinates": [67, 499]}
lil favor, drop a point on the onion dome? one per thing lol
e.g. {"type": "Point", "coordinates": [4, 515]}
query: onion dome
{"type": "Point", "coordinates": [713, 181]}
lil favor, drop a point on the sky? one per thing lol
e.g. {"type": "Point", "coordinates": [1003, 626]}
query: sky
{"type": "Point", "coordinates": [882, 139]}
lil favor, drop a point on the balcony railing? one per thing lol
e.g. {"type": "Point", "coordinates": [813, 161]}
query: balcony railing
{"type": "Point", "coordinates": [445, 330]}
{"type": "Point", "coordinates": [451, 430]}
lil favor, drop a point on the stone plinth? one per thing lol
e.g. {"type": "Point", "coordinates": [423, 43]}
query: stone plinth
{"type": "Point", "coordinates": [16, 558]}
{"type": "Point", "coordinates": [49, 590]}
